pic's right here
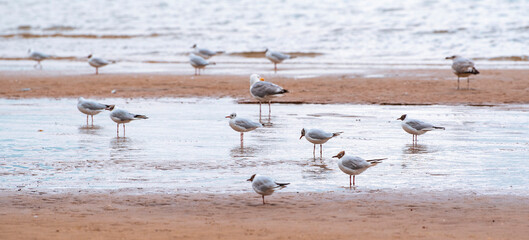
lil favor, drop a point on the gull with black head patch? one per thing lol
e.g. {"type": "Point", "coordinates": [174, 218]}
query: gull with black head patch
{"type": "Point", "coordinates": [416, 127]}
{"type": "Point", "coordinates": [264, 185]}
{"type": "Point", "coordinates": [353, 165]}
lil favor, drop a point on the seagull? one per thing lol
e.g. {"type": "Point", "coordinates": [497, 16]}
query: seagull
{"type": "Point", "coordinates": [242, 124]}
{"type": "Point", "coordinates": [92, 108]}
{"type": "Point", "coordinates": [276, 57]}
{"type": "Point", "coordinates": [98, 62]}
{"type": "Point", "coordinates": [463, 67]}
{"type": "Point", "coordinates": [317, 136]}
{"type": "Point", "coordinates": [204, 52]}
{"type": "Point", "coordinates": [123, 116]}
{"type": "Point", "coordinates": [37, 56]}
{"type": "Point", "coordinates": [264, 91]}
{"type": "Point", "coordinates": [416, 127]}
{"type": "Point", "coordinates": [353, 165]}
{"type": "Point", "coordinates": [198, 63]}
{"type": "Point", "coordinates": [264, 185]}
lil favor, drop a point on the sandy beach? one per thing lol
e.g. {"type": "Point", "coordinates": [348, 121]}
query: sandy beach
{"type": "Point", "coordinates": [348, 214]}
{"type": "Point", "coordinates": [386, 87]}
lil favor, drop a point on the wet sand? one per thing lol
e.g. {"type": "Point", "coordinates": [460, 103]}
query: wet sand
{"type": "Point", "coordinates": [129, 214]}
{"type": "Point", "coordinates": [433, 86]}
{"type": "Point", "coordinates": [325, 215]}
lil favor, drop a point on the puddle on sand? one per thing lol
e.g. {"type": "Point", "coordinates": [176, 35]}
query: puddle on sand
{"type": "Point", "coordinates": [187, 145]}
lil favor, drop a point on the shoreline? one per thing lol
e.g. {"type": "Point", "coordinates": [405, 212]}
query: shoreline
{"type": "Point", "coordinates": [385, 87]}
{"type": "Point", "coordinates": [371, 214]}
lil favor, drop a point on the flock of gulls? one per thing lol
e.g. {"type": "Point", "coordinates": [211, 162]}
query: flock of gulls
{"type": "Point", "coordinates": [265, 91]}
{"type": "Point", "coordinates": [461, 67]}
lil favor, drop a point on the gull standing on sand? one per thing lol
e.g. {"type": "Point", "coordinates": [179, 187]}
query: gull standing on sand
{"type": "Point", "coordinates": [317, 136]}
{"type": "Point", "coordinates": [198, 63]}
{"type": "Point", "coordinates": [264, 91]}
{"type": "Point", "coordinates": [242, 124]}
{"type": "Point", "coordinates": [37, 56]}
{"type": "Point", "coordinates": [204, 52]}
{"type": "Point", "coordinates": [264, 185]}
{"type": "Point", "coordinates": [276, 57]}
{"type": "Point", "coordinates": [123, 116]}
{"type": "Point", "coordinates": [463, 67]}
{"type": "Point", "coordinates": [416, 127]}
{"type": "Point", "coordinates": [353, 165]}
{"type": "Point", "coordinates": [91, 108]}
{"type": "Point", "coordinates": [98, 62]}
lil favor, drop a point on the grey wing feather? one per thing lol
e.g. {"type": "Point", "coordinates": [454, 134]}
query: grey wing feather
{"type": "Point", "coordinates": [196, 60]}
{"type": "Point", "coordinates": [279, 55]}
{"type": "Point", "coordinates": [263, 89]}
{"type": "Point", "coordinates": [319, 134]}
{"type": "Point", "coordinates": [419, 125]}
{"type": "Point", "coordinates": [245, 123]}
{"type": "Point", "coordinates": [207, 52]}
{"type": "Point", "coordinates": [355, 163]}
{"type": "Point", "coordinates": [123, 115]}
{"type": "Point", "coordinates": [100, 61]}
{"type": "Point", "coordinates": [93, 105]}
{"type": "Point", "coordinates": [462, 66]}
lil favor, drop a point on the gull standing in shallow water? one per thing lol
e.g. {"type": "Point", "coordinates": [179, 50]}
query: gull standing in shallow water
{"type": "Point", "coordinates": [317, 136]}
{"type": "Point", "coordinates": [98, 62]}
{"type": "Point", "coordinates": [353, 165]}
{"type": "Point", "coordinates": [463, 67]}
{"type": "Point", "coordinates": [264, 185]}
{"type": "Point", "coordinates": [37, 56]}
{"type": "Point", "coordinates": [205, 53]}
{"type": "Point", "coordinates": [92, 108]}
{"type": "Point", "coordinates": [264, 92]}
{"type": "Point", "coordinates": [416, 127]}
{"type": "Point", "coordinates": [242, 125]}
{"type": "Point", "coordinates": [198, 63]}
{"type": "Point", "coordinates": [122, 116]}
{"type": "Point", "coordinates": [276, 57]}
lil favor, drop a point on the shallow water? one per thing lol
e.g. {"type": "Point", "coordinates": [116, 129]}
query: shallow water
{"type": "Point", "coordinates": [344, 32]}
{"type": "Point", "coordinates": [187, 145]}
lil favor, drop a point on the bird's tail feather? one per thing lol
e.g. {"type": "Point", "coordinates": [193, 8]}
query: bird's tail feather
{"type": "Point", "coordinates": [439, 127]}
{"type": "Point", "coordinates": [282, 184]}
{"type": "Point", "coordinates": [375, 161]}
{"type": "Point", "coordinates": [141, 117]}
{"type": "Point", "coordinates": [212, 63]}
{"type": "Point", "coordinates": [473, 71]}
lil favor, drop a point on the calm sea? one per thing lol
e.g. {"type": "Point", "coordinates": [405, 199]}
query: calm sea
{"type": "Point", "coordinates": [492, 32]}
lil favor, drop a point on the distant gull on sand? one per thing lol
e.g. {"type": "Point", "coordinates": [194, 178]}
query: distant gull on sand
{"type": "Point", "coordinates": [242, 124]}
{"type": "Point", "coordinates": [353, 165]}
{"type": "Point", "coordinates": [264, 185]}
{"type": "Point", "coordinates": [37, 56]}
{"type": "Point", "coordinates": [416, 127]}
{"type": "Point", "coordinates": [91, 108]}
{"type": "Point", "coordinates": [122, 116]}
{"type": "Point", "coordinates": [98, 62]}
{"type": "Point", "coordinates": [198, 63]}
{"type": "Point", "coordinates": [204, 52]}
{"type": "Point", "coordinates": [276, 57]}
{"type": "Point", "coordinates": [264, 91]}
{"type": "Point", "coordinates": [317, 136]}
{"type": "Point", "coordinates": [463, 67]}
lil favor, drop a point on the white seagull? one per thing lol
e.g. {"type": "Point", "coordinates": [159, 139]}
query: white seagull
{"type": "Point", "coordinates": [198, 63]}
{"type": "Point", "coordinates": [242, 124]}
{"type": "Point", "coordinates": [123, 116]}
{"type": "Point", "coordinates": [276, 57]}
{"type": "Point", "coordinates": [264, 185]}
{"type": "Point", "coordinates": [463, 67]}
{"type": "Point", "coordinates": [353, 165]}
{"type": "Point", "coordinates": [98, 62]}
{"type": "Point", "coordinates": [264, 91]}
{"type": "Point", "coordinates": [37, 56]}
{"type": "Point", "coordinates": [416, 127]}
{"type": "Point", "coordinates": [204, 52]}
{"type": "Point", "coordinates": [317, 136]}
{"type": "Point", "coordinates": [91, 108]}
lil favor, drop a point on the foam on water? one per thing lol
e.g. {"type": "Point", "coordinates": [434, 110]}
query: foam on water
{"type": "Point", "coordinates": [187, 145]}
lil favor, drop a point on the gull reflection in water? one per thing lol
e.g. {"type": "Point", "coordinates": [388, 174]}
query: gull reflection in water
{"type": "Point", "coordinates": [415, 149]}
{"type": "Point", "coordinates": [91, 130]}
